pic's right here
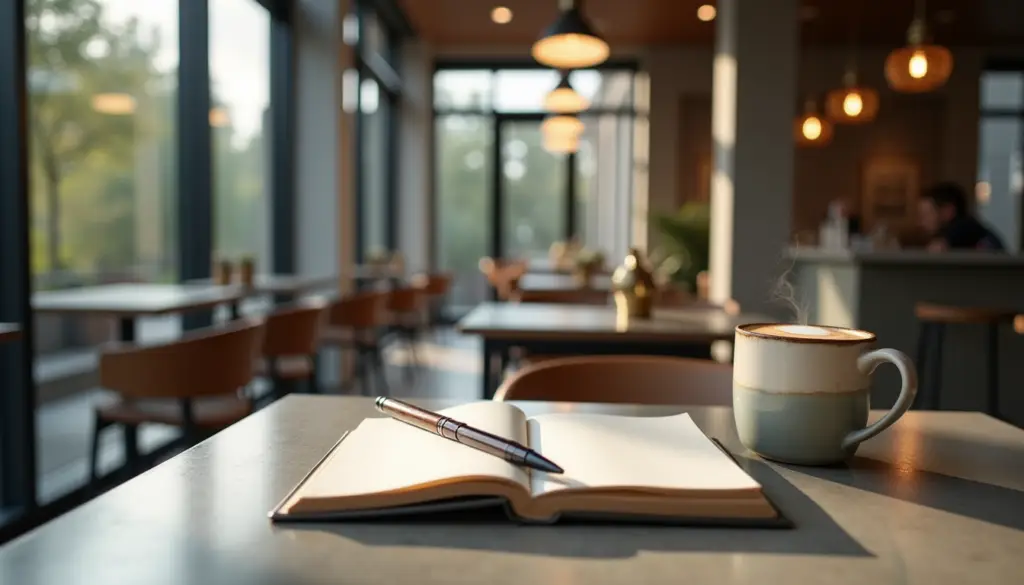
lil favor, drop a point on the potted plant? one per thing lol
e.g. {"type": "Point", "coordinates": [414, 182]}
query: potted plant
{"type": "Point", "coordinates": [685, 244]}
{"type": "Point", "coordinates": [587, 262]}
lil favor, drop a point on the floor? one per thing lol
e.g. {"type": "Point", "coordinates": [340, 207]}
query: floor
{"type": "Point", "coordinates": [450, 367]}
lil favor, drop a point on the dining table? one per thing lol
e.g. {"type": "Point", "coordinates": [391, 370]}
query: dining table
{"type": "Point", "coordinates": [128, 301]}
{"type": "Point", "coordinates": [9, 332]}
{"type": "Point", "coordinates": [546, 283]}
{"type": "Point", "coordinates": [569, 329]}
{"type": "Point", "coordinates": [936, 499]}
{"type": "Point", "coordinates": [283, 287]}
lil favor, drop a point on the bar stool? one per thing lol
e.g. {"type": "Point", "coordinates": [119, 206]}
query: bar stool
{"type": "Point", "coordinates": [933, 319]}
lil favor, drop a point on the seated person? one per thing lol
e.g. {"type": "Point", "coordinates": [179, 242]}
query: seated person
{"type": "Point", "coordinates": [950, 226]}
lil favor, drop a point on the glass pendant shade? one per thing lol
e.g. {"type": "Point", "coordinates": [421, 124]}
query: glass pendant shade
{"type": "Point", "coordinates": [561, 144]}
{"type": "Point", "coordinates": [561, 133]}
{"type": "Point", "coordinates": [564, 99]}
{"type": "Point", "coordinates": [919, 66]}
{"type": "Point", "coordinates": [812, 129]}
{"type": "Point", "coordinates": [570, 43]}
{"type": "Point", "coordinates": [851, 104]}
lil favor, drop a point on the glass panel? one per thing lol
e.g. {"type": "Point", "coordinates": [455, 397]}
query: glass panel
{"type": "Point", "coordinates": [102, 81]}
{"type": "Point", "coordinates": [373, 172]}
{"type": "Point", "coordinates": [534, 188]}
{"type": "Point", "coordinates": [522, 90]}
{"type": "Point", "coordinates": [464, 147]}
{"type": "Point", "coordinates": [467, 90]}
{"type": "Point", "coordinates": [374, 35]}
{"type": "Point", "coordinates": [239, 120]}
{"type": "Point", "coordinates": [604, 89]}
{"type": "Point", "coordinates": [604, 184]}
{"type": "Point", "coordinates": [998, 191]}
{"type": "Point", "coordinates": [1002, 90]}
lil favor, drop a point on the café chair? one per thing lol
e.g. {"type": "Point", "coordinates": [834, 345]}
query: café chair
{"type": "Point", "coordinates": [932, 321]}
{"type": "Point", "coordinates": [503, 276]}
{"type": "Point", "coordinates": [580, 296]}
{"type": "Point", "coordinates": [194, 383]}
{"type": "Point", "coordinates": [290, 342]}
{"type": "Point", "coordinates": [622, 379]}
{"type": "Point", "coordinates": [436, 288]}
{"type": "Point", "coordinates": [354, 322]}
{"type": "Point", "coordinates": [406, 307]}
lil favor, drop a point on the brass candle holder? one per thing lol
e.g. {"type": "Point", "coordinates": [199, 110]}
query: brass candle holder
{"type": "Point", "coordinates": [634, 286]}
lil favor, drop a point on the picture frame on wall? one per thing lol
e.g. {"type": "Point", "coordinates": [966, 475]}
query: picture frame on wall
{"type": "Point", "coordinates": [889, 191]}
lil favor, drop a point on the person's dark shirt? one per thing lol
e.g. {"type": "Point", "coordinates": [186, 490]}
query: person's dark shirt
{"type": "Point", "coordinates": [966, 232]}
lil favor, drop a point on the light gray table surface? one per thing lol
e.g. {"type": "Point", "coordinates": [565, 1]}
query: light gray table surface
{"type": "Point", "coordinates": [9, 332]}
{"type": "Point", "coordinates": [937, 499]}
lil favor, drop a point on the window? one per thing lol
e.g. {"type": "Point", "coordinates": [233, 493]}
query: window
{"type": "Point", "coordinates": [378, 100]}
{"type": "Point", "coordinates": [102, 89]}
{"type": "Point", "coordinates": [374, 112]}
{"type": "Point", "coordinates": [239, 123]}
{"type": "Point", "coordinates": [102, 102]}
{"type": "Point", "coordinates": [500, 194]}
{"type": "Point", "coordinates": [1000, 153]}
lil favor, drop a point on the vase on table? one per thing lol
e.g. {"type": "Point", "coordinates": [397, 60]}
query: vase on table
{"type": "Point", "coordinates": [634, 286]}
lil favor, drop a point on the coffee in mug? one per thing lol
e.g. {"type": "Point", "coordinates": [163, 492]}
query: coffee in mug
{"type": "Point", "coordinates": [801, 393]}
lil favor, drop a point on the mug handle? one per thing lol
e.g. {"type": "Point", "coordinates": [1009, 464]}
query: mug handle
{"type": "Point", "coordinates": [867, 364]}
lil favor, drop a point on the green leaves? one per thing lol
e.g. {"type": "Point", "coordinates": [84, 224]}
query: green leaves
{"type": "Point", "coordinates": [686, 240]}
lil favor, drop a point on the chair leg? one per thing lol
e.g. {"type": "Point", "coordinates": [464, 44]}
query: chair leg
{"type": "Point", "coordinates": [993, 370]}
{"type": "Point", "coordinates": [921, 358]}
{"type": "Point", "coordinates": [938, 335]}
{"type": "Point", "coordinates": [382, 378]}
{"type": "Point", "coordinates": [131, 446]}
{"type": "Point", "coordinates": [94, 451]}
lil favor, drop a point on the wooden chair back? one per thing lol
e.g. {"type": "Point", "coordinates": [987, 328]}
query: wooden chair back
{"type": "Point", "coordinates": [406, 299]}
{"type": "Point", "coordinates": [503, 276]}
{"type": "Point", "coordinates": [580, 296]}
{"type": "Point", "coordinates": [622, 379]}
{"type": "Point", "coordinates": [359, 311]}
{"type": "Point", "coordinates": [295, 330]}
{"type": "Point", "coordinates": [210, 362]}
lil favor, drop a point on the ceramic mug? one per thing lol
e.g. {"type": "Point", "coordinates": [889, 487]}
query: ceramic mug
{"type": "Point", "coordinates": [801, 393]}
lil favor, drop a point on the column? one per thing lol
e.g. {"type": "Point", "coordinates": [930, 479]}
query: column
{"type": "Point", "coordinates": [324, 187]}
{"type": "Point", "coordinates": [323, 140]}
{"type": "Point", "coordinates": [416, 237]}
{"type": "Point", "coordinates": [753, 106]}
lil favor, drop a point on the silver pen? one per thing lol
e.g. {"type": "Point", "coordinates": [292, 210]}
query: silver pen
{"type": "Point", "coordinates": [459, 432]}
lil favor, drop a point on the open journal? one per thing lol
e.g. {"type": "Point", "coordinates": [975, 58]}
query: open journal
{"type": "Point", "coordinates": [616, 467]}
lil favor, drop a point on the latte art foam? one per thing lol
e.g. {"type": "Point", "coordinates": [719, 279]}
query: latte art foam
{"type": "Point", "coordinates": [811, 332]}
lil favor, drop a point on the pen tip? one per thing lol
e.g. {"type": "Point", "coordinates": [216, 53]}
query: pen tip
{"type": "Point", "coordinates": [537, 461]}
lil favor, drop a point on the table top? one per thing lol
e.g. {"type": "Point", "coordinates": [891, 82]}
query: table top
{"type": "Point", "coordinates": [134, 299]}
{"type": "Point", "coordinates": [589, 322]}
{"type": "Point", "coordinates": [937, 499]}
{"type": "Point", "coordinates": [561, 282]}
{"type": "Point", "coordinates": [284, 284]}
{"type": "Point", "coordinates": [9, 332]}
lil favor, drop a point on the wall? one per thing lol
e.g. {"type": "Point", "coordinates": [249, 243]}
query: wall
{"type": "Point", "coordinates": [937, 130]}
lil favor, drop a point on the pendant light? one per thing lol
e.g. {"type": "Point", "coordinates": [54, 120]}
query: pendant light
{"type": "Point", "coordinates": [564, 99]}
{"type": "Point", "coordinates": [812, 129]}
{"type": "Point", "coordinates": [570, 43]}
{"type": "Point", "coordinates": [561, 133]}
{"type": "Point", "coordinates": [852, 103]}
{"type": "Point", "coordinates": [919, 66]}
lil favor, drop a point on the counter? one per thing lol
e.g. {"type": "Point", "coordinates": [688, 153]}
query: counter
{"type": "Point", "coordinates": [877, 291]}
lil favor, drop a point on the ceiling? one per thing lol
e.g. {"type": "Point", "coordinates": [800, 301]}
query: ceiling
{"type": "Point", "coordinates": [660, 22]}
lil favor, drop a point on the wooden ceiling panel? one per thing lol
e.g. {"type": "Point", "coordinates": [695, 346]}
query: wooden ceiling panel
{"type": "Point", "coordinates": [660, 22]}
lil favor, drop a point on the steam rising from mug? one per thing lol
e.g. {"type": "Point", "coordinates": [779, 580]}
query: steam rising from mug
{"type": "Point", "coordinates": [784, 293]}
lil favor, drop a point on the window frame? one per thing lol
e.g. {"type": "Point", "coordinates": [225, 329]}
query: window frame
{"type": "Point", "coordinates": [19, 484]}
{"type": "Point", "coordinates": [498, 118]}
